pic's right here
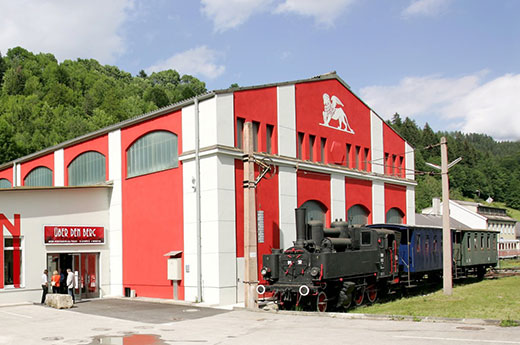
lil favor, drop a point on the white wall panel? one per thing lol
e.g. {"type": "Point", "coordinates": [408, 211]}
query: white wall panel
{"type": "Point", "coordinates": [286, 110]}
{"type": "Point", "coordinates": [225, 119]}
{"type": "Point", "coordinates": [190, 227]}
{"type": "Point", "coordinates": [288, 201]}
{"type": "Point", "coordinates": [378, 202]}
{"type": "Point", "coordinates": [208, 123]}
{"type": "Point", "coordinates": [59, 168]}
{"type": "Point", "coordinates": [188, 128]}
{"type": "Point", "coordinates": [337, 197]}
{"type": "Point", "coordinates": [376, 140]}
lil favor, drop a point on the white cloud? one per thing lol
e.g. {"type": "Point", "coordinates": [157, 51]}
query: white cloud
{"type": "Point", "coordinates": [466, 104]}
{"type": "Point", "coordinates": [197, 61]}
{"type": "Point", "coordinates": [493, 108]}
{"type": "Point", "coordinates": [325, 12]}
{"type": "Point", "coordinates": [68, 29]}
{"type": "Point", "coordinates": [425, 7]}
{"type": "Point", "coordinates": [228, 14]}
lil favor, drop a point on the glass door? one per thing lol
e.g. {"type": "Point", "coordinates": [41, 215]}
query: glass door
{"type": "Point", "coordinates": [76, 269]}
{"type": "Point", "coordinates": [90, 275]}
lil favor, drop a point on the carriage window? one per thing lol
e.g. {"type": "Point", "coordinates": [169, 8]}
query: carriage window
{"type": "Point", "coordinates": [469, 241]}
{"type": "Point", "coordinates": [435, 243]}
{"type": "Point", "coordinates": [475, 241]}
{"type": "Point", "coordinates": [481, 241]}
{"type": "Point", "coordinates": [418, 243]}
{"type": "Point", "coordinates": [365, 238]}
{"type": "Point", "coordinates": [488, 242]}
{"type": "Point", "coordinates": [427, 244]}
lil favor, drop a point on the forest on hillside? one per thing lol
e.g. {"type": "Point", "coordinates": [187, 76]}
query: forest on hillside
{"type": "Point", "coordinates": [44, 102]}
{"type": "Point", "coordinates": [488, 168]}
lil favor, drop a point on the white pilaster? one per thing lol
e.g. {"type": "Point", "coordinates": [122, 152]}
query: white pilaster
{"type": "Point", "coordinates": [378, 202]}
{"type": "Point", "coordinates": [286, 110]}
{"type": "Point", "coordinates": [116, 213]}
{"type": "Point", "coordinates": [376, 141]}
{"type": "Point", "coordinates": [410, 205]}
{"type": "Point", "coordinates": [337, 197]}
{"type": "Point", "coordinates": [18, 175]}
{"type": "Point", "coordinates": [288, 201]}
{"type": "Point", "coordinates": [59, 168]}
{"type": "Point", "coordinates": [409, 161]}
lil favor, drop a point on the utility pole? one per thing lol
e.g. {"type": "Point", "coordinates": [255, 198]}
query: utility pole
{"type": "Point", "coordinates": [447, 281]}
{"type": "Point", "coordinates": [250, 250]}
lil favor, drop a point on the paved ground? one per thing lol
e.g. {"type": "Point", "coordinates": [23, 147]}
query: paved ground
{"type": "Point", "coordinates": [124, 321]}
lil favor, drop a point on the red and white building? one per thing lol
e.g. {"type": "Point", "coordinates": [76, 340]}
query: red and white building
{"type": "Point", "coordinates": [154, 205]}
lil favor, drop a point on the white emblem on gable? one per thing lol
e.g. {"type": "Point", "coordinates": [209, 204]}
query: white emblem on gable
{"type": "Point", "coordinates": [330, 112]}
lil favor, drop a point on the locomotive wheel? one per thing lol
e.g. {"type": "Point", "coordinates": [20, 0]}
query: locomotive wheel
{"type": "Point", "coordinates": [321, 302]}
{"type": "Point", "coordinates": [371, 293]}
{"type": "Point", "coordinates": [359, 295]}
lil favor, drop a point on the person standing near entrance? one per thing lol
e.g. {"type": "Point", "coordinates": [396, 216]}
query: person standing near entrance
{"type": "Point", "coordinates": [45, 285]}
{"type": "Point", "coordinates": [70, 283]}
{"type": "Point", "coordinates": [55, 282]}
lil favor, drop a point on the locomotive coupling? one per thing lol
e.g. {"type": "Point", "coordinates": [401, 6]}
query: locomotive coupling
{"type": "Point", "coordinates": [260, 289]}
{"type": "Point", "coordinates": [304, 290]}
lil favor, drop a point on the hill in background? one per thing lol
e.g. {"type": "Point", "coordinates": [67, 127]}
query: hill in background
{"type": "Point", "coordinates": [44, 103]}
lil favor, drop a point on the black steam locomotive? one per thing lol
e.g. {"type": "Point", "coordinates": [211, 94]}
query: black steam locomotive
{"type": "Point", "coordinates": [333, 269]}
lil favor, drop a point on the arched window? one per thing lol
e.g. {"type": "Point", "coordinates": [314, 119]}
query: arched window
{"type": "Point", "coordinates": [152, 152]}
{"type": "Point", "coordinates": [39, 177]}
{"type": "Point", "coordinates": [357, 215]}
{"type": "Point", "coordinates": [4, 183]}
{"type": "Point", "coordinates": [315, 211]}
{"type": "Point", "coordinates": [394, 216]}
{"type": "Point", "coordinates": [86, 169]}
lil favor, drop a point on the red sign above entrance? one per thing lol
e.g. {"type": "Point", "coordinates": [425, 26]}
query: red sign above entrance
{"type": "Point", "coordinates": [74, 234]}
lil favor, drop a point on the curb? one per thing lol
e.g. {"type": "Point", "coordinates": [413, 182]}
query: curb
{"type": "Point", "coordinates": [359, 316]}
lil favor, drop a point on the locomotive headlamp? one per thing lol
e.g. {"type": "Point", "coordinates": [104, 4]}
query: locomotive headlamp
{"type": "Point", "coordinates": [315, 271]}
{"type": "Point", "coordinates": [265, 271]}
{"type": "Point", "coordinates": [260, 289]}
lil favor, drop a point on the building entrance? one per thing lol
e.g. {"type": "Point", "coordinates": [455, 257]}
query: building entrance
{"type": "Point", "coordinates": [85, 267]}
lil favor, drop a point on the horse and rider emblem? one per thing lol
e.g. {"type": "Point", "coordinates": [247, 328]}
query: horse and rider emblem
{"type": "Point", "coordinates": [333, 111]}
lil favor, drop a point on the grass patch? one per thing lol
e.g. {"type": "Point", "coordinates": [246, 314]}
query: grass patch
{"type": "Point", "coordinates": [510, 263]}
{"type": "Point", "coordinates": [497, 299]}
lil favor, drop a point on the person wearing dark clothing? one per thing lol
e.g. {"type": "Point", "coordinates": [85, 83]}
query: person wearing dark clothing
{"type": "Point", "coordinates": [63, 281]}
{"type": "Point", "coordinates": [45, 285]}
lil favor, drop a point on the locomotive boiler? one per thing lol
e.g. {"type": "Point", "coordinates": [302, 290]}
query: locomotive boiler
{"type": "Point", "coordinates": [331, 268]}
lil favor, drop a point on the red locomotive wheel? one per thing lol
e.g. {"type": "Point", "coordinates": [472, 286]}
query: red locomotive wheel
{"type": "Point", "coordinates": [321, 302]}
{"type": "Point", "coordinates": [371, 293]}
{"type": "Point", "coordinates": [359, 295]}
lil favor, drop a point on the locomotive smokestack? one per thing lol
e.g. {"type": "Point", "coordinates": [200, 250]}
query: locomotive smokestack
{"type": "Point", "coordinates": [300, 227]}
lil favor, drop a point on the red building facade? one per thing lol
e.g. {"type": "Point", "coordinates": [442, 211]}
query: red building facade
{"type": "Point", "coordinates": [173, 220]}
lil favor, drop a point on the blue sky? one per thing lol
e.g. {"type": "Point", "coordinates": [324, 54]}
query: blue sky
{"type": "Point", "coordinates": [452, 63]}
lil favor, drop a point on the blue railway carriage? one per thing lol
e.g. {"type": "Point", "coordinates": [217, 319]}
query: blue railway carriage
{"type": "Point", "coordinates": [420, 251]}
